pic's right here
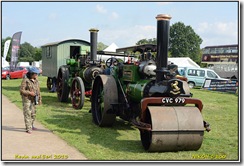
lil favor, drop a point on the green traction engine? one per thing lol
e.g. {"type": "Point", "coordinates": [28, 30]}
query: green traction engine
{"type": "Point", "coordinates": [149, 95]}
{"type": "Point", "coordinates": [75, 78]}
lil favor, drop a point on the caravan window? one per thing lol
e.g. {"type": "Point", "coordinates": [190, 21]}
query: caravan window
{"type": "Point", "coordinates": [48, 52]}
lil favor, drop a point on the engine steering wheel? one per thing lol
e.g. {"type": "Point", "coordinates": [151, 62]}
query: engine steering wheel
{"type": "Point", "coordinates": [110, 61]}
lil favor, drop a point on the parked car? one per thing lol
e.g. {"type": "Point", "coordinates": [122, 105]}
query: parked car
{"type": "Point", "coordinates": [5, 68]}
{"type": "Point", "coordinates": [19, 72]}
{"type": "Point", "coordinates": [196, 76]}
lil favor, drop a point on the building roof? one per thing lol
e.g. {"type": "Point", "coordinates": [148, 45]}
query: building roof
{"type": "Point", "coordinates": [220, 46]}
{"type": "Point", "coordinates": [64, 41]}
{"type": "Point", "coordinates": [141, 48]}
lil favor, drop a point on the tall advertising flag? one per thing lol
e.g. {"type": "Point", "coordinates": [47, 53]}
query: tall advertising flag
{"type": "Point", "coordinates": [6, 47]}
{"type": "Point", "coordinates": [15, 48]}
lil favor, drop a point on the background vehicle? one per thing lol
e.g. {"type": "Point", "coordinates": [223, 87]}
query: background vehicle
{"type": "Point", "coordinates": [6, 68]}
{"type": "Point", "coordinates": [197, 76]}
{"type": "Point", "coordinates": [76, 77]}
{"type": "Point", "coordinates": [5, 72]}
{"type": "Point", "coordinates": [222, 59]}
{"type": "Point", "coordinates": [71, 67]}
{"type": "Point", "coordinates": [19, 72]}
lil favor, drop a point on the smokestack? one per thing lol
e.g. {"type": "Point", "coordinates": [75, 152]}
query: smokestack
{"type": "Point", "coordinates": [162, 45]}
{"type": "Point", "coordinates": [93, 40]}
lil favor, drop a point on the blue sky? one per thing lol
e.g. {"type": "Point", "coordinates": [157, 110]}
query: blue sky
{"type": "Point", "coordinates": [123, 23]}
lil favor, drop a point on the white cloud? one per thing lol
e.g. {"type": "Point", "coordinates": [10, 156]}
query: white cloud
{"type": "Point", "coordinates": [4, 19]}
{"type": "Point", "coordinates": [41, 41]}
{"type": "Point", "coordinates": [114, 15]}
{"type": "Point", "coordinates": [7, 21]}
{"type": "Point", "coordinates": [146, 28]}
{"type": "Point", "coordinates": [128, 36]}
{"type": "Point", "coordinates": [220, 28]}
{"type": "Point", "coordinates": [202, 27]}
{"type": "Point", "coordinates": [101, 9]}
{"type": "Point", "coordinates": [218, 33]}
{"type": "Point", "coordinates": [53, 16]}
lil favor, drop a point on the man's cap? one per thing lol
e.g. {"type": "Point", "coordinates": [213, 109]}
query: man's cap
{"type": "Point", "coordinates": [34, 70]}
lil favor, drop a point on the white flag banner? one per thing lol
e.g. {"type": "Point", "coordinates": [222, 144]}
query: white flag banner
{"type": "Point", "coordinates": [6, 48]}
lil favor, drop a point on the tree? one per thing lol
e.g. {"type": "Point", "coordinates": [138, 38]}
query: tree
{"type": "Point", "coordinates": [38, 54]}
{"type": "Point", "coordinates": [27, 52]}
{"type": "Point", "coordinates": [184, 42]}
{"type": "Point", "coordinates": [9, 51]}
{"type": "Point", "coordinates": [147, 41]}
{"type": "Point", "coordinates": [101, 46]}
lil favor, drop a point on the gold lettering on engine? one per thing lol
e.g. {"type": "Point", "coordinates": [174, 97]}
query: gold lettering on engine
{"type": "Point", "coordinates": [175, 89]}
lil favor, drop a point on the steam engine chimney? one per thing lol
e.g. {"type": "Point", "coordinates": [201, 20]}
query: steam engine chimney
{"type": "Point", "coordinates": [93, 40]}
{"type": "Point", "coordinates": [162, 45]}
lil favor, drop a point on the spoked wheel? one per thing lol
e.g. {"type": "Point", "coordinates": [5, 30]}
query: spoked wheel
{"type": "Point", "coordinates": [77, 93]}
{"type": "Point", "coordinates": [49, 83]}
{"type": "Point", "coordinates": [173, 129]}
{"type": "Point", "coordinates": [62, 84]}
{"type": "Point", "coordinates": [104, 93]}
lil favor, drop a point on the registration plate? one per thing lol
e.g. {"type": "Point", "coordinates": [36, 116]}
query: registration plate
{"type": "Point", "coordinates": [169, 100]}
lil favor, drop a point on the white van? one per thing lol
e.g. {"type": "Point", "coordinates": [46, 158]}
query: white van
{"type": "Point", "coordinates": [23, 64]}
{"type": "Point", "coordinates": [197, 76]}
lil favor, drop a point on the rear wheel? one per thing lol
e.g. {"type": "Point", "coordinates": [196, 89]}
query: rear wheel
{"type": "Point", "coordinates": [191, 84]}
{"type": "Point", "coordinates": [62, 84]}
{"type": "Point", "coordinates": [77, 93]}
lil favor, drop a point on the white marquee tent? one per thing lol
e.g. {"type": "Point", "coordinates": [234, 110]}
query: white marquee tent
{"type": "Point", "coordinates": [184, 62]}
{"type": "Point", "coordinates": [111, 48]}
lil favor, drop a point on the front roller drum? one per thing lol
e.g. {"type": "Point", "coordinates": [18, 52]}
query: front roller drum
{"type": "Point", "coordinates": [173, 129]}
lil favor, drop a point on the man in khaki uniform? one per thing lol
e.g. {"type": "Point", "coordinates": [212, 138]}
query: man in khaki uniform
{"type": "Point", "coordinates": [30, 92]}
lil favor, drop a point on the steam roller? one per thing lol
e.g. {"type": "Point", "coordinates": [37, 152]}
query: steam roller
{"type": "Point", "coordinates": [153, 97]}
{"type": "Point", "coordinates": [75, 78]}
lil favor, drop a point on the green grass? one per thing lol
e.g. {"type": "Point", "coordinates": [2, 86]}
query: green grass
{"type": "Point", "coordinates": [122, 141]}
